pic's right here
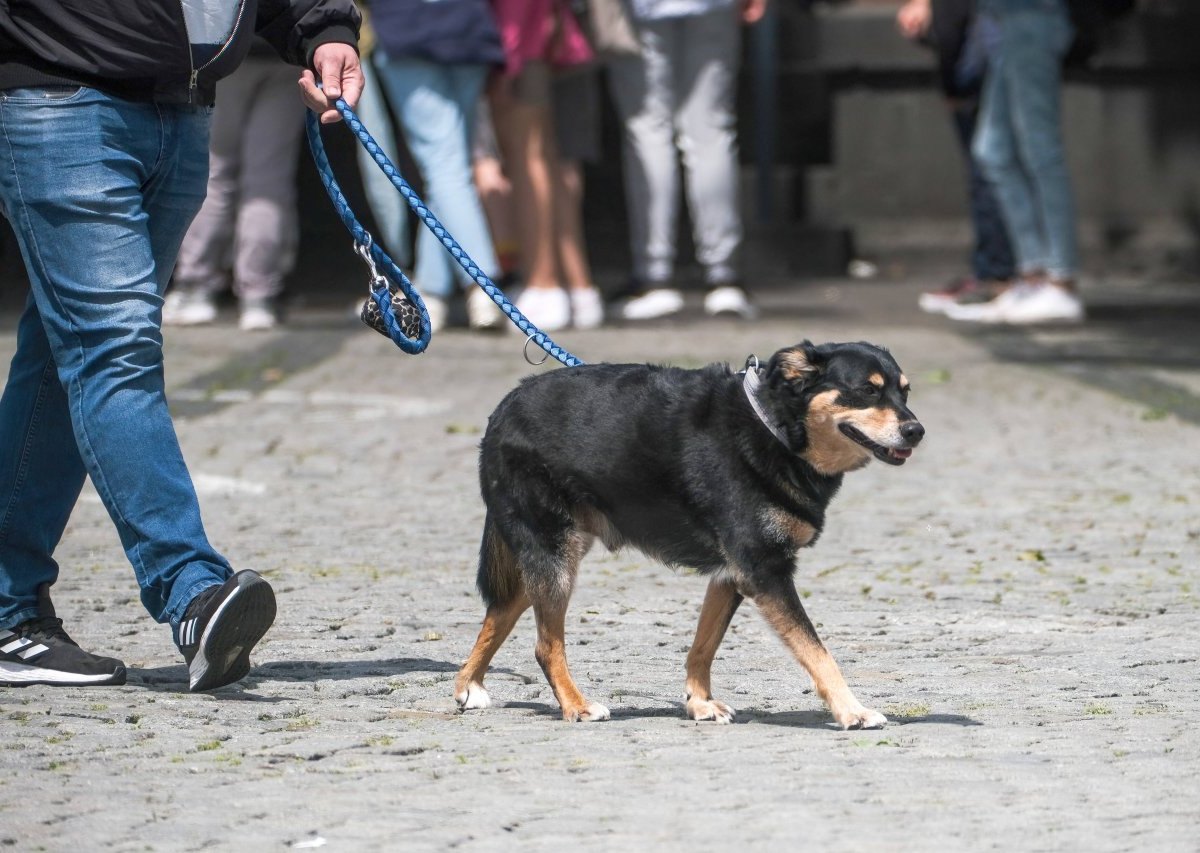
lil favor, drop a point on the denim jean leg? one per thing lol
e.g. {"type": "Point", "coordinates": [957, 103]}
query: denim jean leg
{"type": "Point", "coordinates": [992, 255]}
{"type": "Point", "coordinates": [436, 104]}
{"type": "Point", "coordinates": [41, 472]}
{"type": "Point", "coordinates": [101, 192]}
{"type": "Point", "coordinates": [996, 152]}
{"type": "Point", "coordinates": [388, 207]}
{"type": "Point", "coordinates": [1035, 41]}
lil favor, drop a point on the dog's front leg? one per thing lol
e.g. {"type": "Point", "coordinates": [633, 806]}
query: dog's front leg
{"type": "Point", "coordinates": [720, 603]}
{"type": "Point", "coordinates": [781, 607]}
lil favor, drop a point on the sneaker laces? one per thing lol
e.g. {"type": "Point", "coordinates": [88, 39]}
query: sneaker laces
{"type": "Point", "coordinates": [44, 627]}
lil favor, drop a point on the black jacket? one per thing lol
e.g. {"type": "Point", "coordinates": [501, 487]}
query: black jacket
{"type": "Point", "coordinates": [141, 49]}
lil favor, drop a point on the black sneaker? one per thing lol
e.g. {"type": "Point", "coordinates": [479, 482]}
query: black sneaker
{"type": "Point", "coordinates": [40, 652]}
{"type": "Point", "coordinates": [221, 626]}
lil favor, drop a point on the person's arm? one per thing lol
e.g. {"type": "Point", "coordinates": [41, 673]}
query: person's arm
{"type": "Point", "coordinates": [914, 18]}
{"type": "Point", "coordinates": [753, 10]}
{"type": "Point", "coordinates": [320, 35]}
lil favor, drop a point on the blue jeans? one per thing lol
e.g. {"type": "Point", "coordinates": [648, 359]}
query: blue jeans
{"type": "Point", "coordinates": [436, 105]}
{"type": "Point", "coordinates": [100, 192]}
{"type": "Point", "coordinates": [1018, 142]}
{"type": "Point", "coordinates": [388, 207]}
{"type": "Point", "coordinates": [992, 255]}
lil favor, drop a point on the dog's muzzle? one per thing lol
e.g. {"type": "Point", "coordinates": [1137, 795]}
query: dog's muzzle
{"type": "Point", "coordinates": [910, 431]}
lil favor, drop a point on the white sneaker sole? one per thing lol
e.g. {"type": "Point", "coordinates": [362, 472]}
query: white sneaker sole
{"type": "Point", "coordinates": [232, 632]}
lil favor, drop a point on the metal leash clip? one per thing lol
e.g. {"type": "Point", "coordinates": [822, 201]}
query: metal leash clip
{"type": "Point", "coordinates": [406, 313]}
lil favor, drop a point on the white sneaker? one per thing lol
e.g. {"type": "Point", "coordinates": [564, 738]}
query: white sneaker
{"type": "Point", "coordinates": [729, 300]}
{"type": "Point", "coordinates": [548, 308]}
{"type": "Point", "coordinates": [438, 312]}
{"type": "Point", "coordinates": [1024, 304]}
{"type": "Point", "coordinates": [482, 313]}
{"type": "Point", "coordinates": [659, 302]}
{"type": "Point", "coordinates": [185, 307]}
{"type": "Point", "coordinates": [257, 315]}
{"type": "Point", "coordinates": [587, 308]}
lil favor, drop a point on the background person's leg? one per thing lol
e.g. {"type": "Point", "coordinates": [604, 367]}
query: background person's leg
{"type": "Point", "coordinates": [268, 226]}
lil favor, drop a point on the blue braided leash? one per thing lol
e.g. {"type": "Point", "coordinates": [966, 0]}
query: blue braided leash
{"type": "Point", "coordinates": [384, 269]}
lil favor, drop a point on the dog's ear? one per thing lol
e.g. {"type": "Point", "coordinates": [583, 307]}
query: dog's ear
{"type": "Point", "coordinates": [800, 364]}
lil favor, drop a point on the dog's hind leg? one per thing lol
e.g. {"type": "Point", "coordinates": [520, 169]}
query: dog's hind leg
{"type": "Point", "coordinates": [503, 591]}
{"type": "Point", "coordinates": [781, 607]}
{"type": "Point", "coordinates": [720, 603]}
{"type": "Point", "coordinates": [498, 623]}
{"type": "Point", "coordinates": [551, 613]}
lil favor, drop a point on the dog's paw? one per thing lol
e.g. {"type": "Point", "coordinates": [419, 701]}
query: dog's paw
{"type": "Point", "coordinates": [709, 709]}
{"type": "Point", "coordinates": [594, 712]}
{"type": "Point", "coordinates": [861, 718]}
{"type": "Point", "coordinates": [472, 698]}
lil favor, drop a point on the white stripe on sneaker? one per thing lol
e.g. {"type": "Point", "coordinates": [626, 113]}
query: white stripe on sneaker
{"type": "Point", "coordinates": [26, 654]}
{"type": "Point", "coordinates": [18, 643]}
{"type": "Point", "coordinates": [187, 634]}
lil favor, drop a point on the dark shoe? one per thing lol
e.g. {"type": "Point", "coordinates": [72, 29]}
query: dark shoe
{"type": "Point", "coordinates": [40, 652]}
{"type": "Point", "coordinates": [220, 627]}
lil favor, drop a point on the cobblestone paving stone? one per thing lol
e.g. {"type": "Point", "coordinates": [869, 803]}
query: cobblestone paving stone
{"type": "Point", "coordinates": [1020, 600]}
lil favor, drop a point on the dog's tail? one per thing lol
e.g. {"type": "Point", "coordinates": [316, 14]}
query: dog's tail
{"type": "Point", "coordinates": [499, 578]}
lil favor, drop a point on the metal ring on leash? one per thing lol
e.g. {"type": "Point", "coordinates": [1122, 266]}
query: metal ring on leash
{"type": "Point", "coordinates": [528, 360]}
{"type": "Point", "coordinates": [384, 269]}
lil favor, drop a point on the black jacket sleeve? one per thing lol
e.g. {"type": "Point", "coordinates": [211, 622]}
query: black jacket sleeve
{"type": "Point", "coordinates": [296, 28]}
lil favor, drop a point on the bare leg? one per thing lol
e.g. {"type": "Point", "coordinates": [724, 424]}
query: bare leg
{"type": "Point", "coordinates": [568, 225]}
{"type": "Point", "coordinates": [525, 133]}
{"type": "Point", "coordinates": [782, 609]}
{"type": "Point", "coordinates": [552, 656]}
{"type": "Point", "coordinates": [497, 625]}
{"type": "Point", "coordinates": [720, 603]}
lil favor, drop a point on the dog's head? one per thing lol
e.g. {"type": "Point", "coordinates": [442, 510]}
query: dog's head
{"type": "Point", "coordinates": [842, 404]}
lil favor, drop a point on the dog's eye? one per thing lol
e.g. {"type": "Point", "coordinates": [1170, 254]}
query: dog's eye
{"type": "Point", "coordinates": [870, 390]}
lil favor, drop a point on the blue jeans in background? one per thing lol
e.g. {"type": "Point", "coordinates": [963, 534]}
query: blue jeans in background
{"type": "Point", "coordinates": [388, 207]}
{"type": "Point", "coordinates": [992, 254]}
{"type": "Point", "coordinates": [1018, 142]}
{"type": "Point", "coordinates": [436, 105]}
{"type": "Point", "coordinates": [100, 192]}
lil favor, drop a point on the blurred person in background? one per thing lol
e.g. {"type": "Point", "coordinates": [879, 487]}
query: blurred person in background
{"type": "Point", "coordinates": [676, 101]}
{"type": "Point", "coordinates": [545, 49]}
{"type": "Point", "coordinates": [433, 60]}
{"type": "Point", "coordinates": [962, 42]}
{"type": "Point", "coordinates": [248, 228]}
{"type": "Point", "coordinates": [1019, 145]}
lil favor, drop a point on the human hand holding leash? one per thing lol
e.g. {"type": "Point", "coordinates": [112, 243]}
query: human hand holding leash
{"type": "Point", "coordinates": [341, 76]}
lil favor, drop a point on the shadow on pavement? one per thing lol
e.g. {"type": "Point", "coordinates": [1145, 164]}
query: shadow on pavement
{"type": "Point", "coordinates": [822, 720]}
{"type": "Point", "coordinates": [175, 677]}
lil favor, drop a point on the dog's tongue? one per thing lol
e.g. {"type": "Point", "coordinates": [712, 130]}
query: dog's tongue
{"type": "Point", "coordinates": [902, 453]}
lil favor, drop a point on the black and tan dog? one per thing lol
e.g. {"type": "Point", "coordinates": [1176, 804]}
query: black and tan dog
{"type": "Point", "coordinates": [727, 473]}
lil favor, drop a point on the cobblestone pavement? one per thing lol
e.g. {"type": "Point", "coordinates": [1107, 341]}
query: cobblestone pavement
{"type": "Point", "coordinates": [1020, 600]}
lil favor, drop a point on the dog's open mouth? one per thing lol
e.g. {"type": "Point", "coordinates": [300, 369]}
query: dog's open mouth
{"type": "Point", "coordinates": [890, 455]}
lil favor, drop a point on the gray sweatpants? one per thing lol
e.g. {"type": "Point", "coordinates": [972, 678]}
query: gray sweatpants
{"type": "Point", "coordinates": [249, 224]}
{"type": "Point", "coordinates": [677, 102]}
